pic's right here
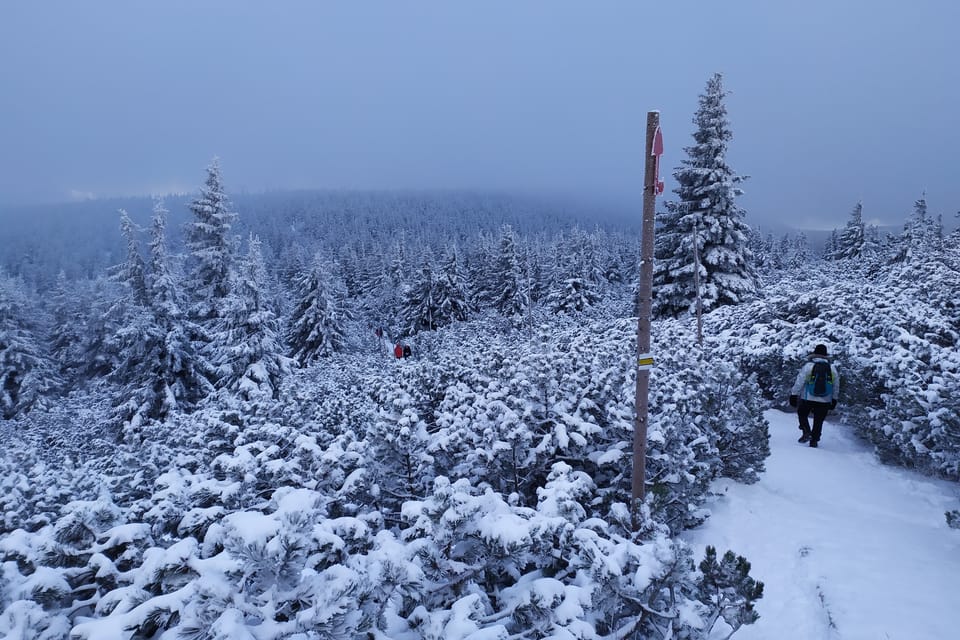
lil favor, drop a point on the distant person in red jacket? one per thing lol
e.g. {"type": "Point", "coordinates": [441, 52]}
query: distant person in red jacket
{"type": "Point", "coordinates": [398, 350]}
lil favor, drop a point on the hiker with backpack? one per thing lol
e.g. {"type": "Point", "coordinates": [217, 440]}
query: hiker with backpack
{"type": "Point", "coordinates": [815, 391]}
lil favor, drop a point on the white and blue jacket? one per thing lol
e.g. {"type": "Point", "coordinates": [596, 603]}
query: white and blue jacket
{"type": "Point", "coordinates": [800, 386]}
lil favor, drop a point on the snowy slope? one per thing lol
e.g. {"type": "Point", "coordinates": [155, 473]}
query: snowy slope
{"type": "Point", "coordinates": [847, 548]}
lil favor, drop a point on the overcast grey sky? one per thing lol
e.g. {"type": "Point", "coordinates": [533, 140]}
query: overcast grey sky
{"type": "Point", "coordinates": [831, 100]}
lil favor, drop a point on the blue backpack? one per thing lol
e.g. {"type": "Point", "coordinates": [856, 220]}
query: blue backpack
{"type": "Point", "coordinates": [820, 380]}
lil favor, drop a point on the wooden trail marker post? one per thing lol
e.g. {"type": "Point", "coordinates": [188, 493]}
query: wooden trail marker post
{"type": "Point", "coordinates": [652, 185]}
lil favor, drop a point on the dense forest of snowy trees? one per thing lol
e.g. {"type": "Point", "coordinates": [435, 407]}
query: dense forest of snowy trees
{"type": "Point", "coordinates": [212, 439]}
{"type": "Point", "coordinates": [270, 469]}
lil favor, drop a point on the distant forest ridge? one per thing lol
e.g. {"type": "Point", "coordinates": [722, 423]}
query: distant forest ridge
{"type": "Point", "coordinates": [83, 238]}
{"type": "Point", "coordinates": [86, 238]}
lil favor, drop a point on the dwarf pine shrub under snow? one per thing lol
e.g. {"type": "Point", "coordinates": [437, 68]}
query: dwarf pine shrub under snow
{"type": "Point", "coordinates": [472, 491]}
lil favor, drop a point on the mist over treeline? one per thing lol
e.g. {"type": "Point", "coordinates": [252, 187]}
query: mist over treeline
{"type": "Point", "coordinates": [82, 239]}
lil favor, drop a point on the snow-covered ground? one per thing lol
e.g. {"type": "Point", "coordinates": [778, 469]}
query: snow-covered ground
{"type": "Point", "coordinates": [847, 548]}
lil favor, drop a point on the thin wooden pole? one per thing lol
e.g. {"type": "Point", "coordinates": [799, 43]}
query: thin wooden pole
{"type": "Point", "coordinates": [696, 282]}
{"type": "Point", "coordinates": [645, 295]}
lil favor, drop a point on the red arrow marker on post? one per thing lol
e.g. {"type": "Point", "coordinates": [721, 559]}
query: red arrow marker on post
{"type": "Point", "coordinates": [657, 151]}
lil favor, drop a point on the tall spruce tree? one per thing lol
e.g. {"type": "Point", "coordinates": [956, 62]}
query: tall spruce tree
{"type": "Point", "coordinates": [577, 277]}
{"type": "Point", "coordinates": [159, 369]}
{"type": "Point", "coordinates": [511, 297]}
{"type": "Point", "coordinates": [133, 271]}
{"type": "Point", "coordinates": [246, 347]}
{"type": "Point", "coordinates": [210, 246]}
{"type": "Point", "coordinates": [102, 311]}
{"type": "Point", "coordinates": [830, 247]}
{"type": "Point", "coordinates": [919, 237]}
{"type": "Point", "coordinates": [707, 194]}
{"type": "Point", "coordinates": [135, 336]}
{"type": "Point", "coordinates": [181, 373]}
{"type": "Point", "coordinates": [450, 291]}
{"type": "Point", "coordinates": [480, 261]}
{"type": "Point", "coordinates": [418, 308]}
{"type": "Point", "coordinates": [28, 377]}
{"type": "Point", "coordinates": [317, 326]}
{"type": "Point", "coordinates": [801, 251]}
{"type": "Point", "coordinates": [68, 329]}
{"type": "Point", "coordinates": [850, 244]}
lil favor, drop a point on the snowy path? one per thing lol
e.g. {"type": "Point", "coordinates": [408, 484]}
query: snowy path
{"type": "Point", "coordinates": [847, 549]}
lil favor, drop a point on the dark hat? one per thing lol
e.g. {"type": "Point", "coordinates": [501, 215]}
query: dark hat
{"type": "Point", "coordinates": [820, 349]}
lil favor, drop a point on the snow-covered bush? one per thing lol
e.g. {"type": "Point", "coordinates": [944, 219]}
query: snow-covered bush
{"type": "Point", "coordinates": [894, 337]}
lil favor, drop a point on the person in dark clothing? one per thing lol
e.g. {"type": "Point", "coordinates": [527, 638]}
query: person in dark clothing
{"type": "Point", "coordinates": [406, 351]}
{"type": "Point", "coordinates": [815, 391]}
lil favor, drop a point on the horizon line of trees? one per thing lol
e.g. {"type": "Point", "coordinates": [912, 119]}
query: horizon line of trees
{"type": "Point", "coordinates": [169, 330]}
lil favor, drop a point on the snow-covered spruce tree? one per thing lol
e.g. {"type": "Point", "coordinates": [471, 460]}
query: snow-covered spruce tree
{"type": "Point", "coordinates": [587, 255]}
{"type": "Point", "coordinates": [480, 261]}
{"type": "Point", "coordinates": [801, 252]}
{"type": "Point", "coordinates": [784, 249]}
{"type": "Point", "coordinates": [181, 373]}
{"type": "Point", "coordinates": [674, 263]}
{"type": "Point", "coordinates": [418, 308]}
{"type": "Point", "coordinates": [576, 277]}
{"type": "Point", "coordinates": [246, 347]}
{"type": "Point", "coordinates": [67, 328]}
{"type": "Point", "coordinates": [102, 318]}
{"type": "Point", "coordinates": [852, 242]}
{"type": "Point", "coordinates": [614, 256]}
{"type": "Point", "coordinates": [509, 280]}
{"type": "Point", "coordinates": [450, 291]}
{"type": "Point", "coordinates": [397, 271]}
{"type": "Point", "coordinates": [830, 247]}
{"type": "Point", "coordinates": [707, 194]}
{"type": "Point", "coordinates": [132, 272]}
{"type": "Point", "coordinates": [210, 247]}
{"type": "Point", "coordinates": [136, 337]}
{"type": "Point", "coordinates": [28, 377]}
{"type": "Point", "coordinates": [760, 249]}
{"type": "Point", "coordinates": [159, 368]}
{"type": "Point", "coordinates": [572, 294]}
{"type": "Point", "coordinates": [134, 334]}
{"type": "Point", "coordinates": [317, 325]}
{"type": "Point", "coordinates": [538, 272]}
{"type": "Point", "coordinates": [919, 237]}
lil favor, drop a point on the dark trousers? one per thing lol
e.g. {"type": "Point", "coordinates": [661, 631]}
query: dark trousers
{"type": "Point", "coordinates": [819, 411]}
